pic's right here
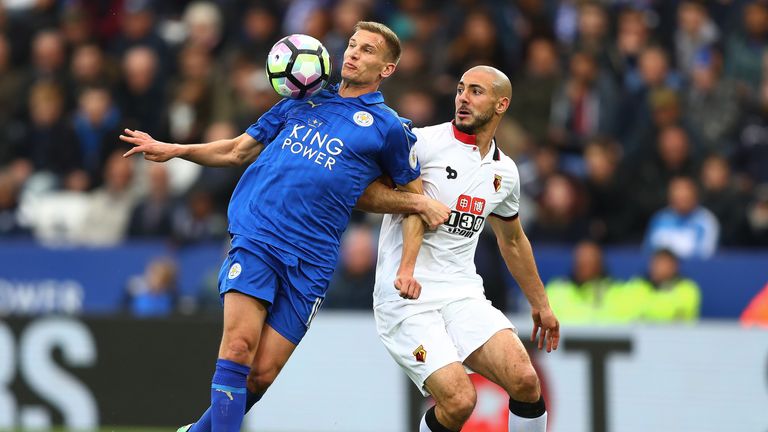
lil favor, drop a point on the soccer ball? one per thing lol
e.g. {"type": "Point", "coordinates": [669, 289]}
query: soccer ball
{"type": "Point", "coordinates": [298, 66]}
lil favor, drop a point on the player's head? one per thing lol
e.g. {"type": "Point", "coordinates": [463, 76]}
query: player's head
{"type": "Point", "coordinates": [482, 98]}
{"type": "Point", "coordinates": [371, 55]}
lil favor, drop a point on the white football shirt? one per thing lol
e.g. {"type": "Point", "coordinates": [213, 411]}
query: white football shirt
{"type": "Point", "coordinates": [473, 188]}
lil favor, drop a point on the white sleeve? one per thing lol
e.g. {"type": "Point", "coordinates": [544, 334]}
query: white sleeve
{"type": "Point", "coordinates": [510, 206]}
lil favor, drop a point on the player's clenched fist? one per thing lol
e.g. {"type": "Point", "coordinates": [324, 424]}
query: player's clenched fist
{"type": "Point", "coordinates": [408, 286]}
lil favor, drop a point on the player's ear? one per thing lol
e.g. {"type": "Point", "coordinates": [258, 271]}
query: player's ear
{"type": "Point", "coordinates": [388, 70]}
{"type": "Point", "coordinates": [502, 104]}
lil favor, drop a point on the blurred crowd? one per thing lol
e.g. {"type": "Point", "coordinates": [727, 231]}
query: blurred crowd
{"type": "Point", "coordinates": [639, 122]}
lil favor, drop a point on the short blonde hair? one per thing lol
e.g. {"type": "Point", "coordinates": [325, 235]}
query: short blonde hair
{"type": "Point", "coordinates": [390, 38]}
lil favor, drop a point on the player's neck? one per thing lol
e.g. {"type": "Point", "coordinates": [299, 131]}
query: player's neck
{"type": "Point", "coordinates": [347, 89]}
{"type": "Point", "coordinates": [483, 140]}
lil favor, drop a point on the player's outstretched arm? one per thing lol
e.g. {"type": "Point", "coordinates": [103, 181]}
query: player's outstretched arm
{"type": "Point", "coordinates": [413, 234]}
{"type": "Point", "coordinates": [222, 153]}
{"type": "Point", "coordinates": [518, 254]}
{"type": "Point", "coordinates": [381, 197]}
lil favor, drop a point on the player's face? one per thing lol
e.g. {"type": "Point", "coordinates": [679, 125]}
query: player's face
{"type": "Point", "coordinates": [366, 59]}
{"type": "Point", "coordinates": [475, 102]}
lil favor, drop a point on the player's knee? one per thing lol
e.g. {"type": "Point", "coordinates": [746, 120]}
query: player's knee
{"type": "Point", "coordinates": [526, 387]}
{"type": "Point", "coordinates": [260, 379]}
{"type": "Point", "coordinates": [238, 349]}
{"type": "Point", "coordinates": [461, 403]}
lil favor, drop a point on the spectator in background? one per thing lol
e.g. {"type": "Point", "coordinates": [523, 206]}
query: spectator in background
{"type": "Point", "coordinates": [74, 24]}
{"type": "Point", "coordinates": [611, 219]}
{"type": "Point", "coordinates": [632, 36]}
{"type": "Point", "coordinates": [204, 22]}
{"type": "Point", "coordinates": [746, 48]}
{"type": "Point", "coordinates": [695, 31]}
{"type": "Point", "coordinates": [752, 151]}
{"type": "Point", "coordinates": [48, 141]}
{"type": "Point", "coordinates": [11, 87]}
{"type": "Point", "coordinates": [10, 188]}
{"type": "Point", "coordinates": [535, 88]}
{"type": "Point", "coordinates": [478, 43]}
{"type": "Point", "coordinates": [684, 226]}
{"type": "Point", "coordinates": [663, 295]}
{"type": "Point", "coordinates": [711, 104]}
{"type": "Point", "coordinates": [351, 286]}
{"type": "Point", "coordinates": [197, 220]}
{"type": "Point", "coordinates": [561, 213]}
{"type": "Point", "coordinates": [141, 95]}
{"type": "Point", "coordinates": [580, 297]}
{"type": "Point", "coordinates": [138, 29]}
{"type": "Point", "coordinates": [49, 58]}
{"type": "Point", "coordinates": [152, 216]}
{"type": "Point", "coordinates": [89, 67]}
{"type": "Point", "coordinates": [259, 31]}
{"type": "Point", "coordinates": [153, 294]}
{"type": "Point", "coordinates": [191, 105]}
{"type": "Point", "coordinates": [651, 175]}
{"type": "Point", "coordinates": [96, 123]}
{"type": "Point", "coordinates": [757, 214]}
{"type": "Point", "coordinates": [639, 113]}
{"type": "Point", "coordinates": [417, 106]}
{"type": "Point", "coordinates": [109, 207]}
{"type": "Point", "coordinates": [721, 196]}
{"type": "Point", "coordinates": [593, 32]}
{"type": "Point", "coordinates": [584, 106]}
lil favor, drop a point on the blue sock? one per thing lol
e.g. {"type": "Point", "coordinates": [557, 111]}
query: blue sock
{"type": "Point", "coordinates": [228, 396]}
{"type": "Point", "coordinates": [204, 424]}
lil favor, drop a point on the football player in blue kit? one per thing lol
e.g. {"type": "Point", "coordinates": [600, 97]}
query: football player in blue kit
{"type": "Point", "coordinates": [286, 216]}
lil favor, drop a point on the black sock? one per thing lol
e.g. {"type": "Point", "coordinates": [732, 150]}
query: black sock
{"type": "Point", "coordinates": [527, 409]}
{"type": "Point", "coordinates": [432, 422]}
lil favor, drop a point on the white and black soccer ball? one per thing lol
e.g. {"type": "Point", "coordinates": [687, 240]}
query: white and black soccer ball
{"type": "Point", "coordinates": [298, 66]}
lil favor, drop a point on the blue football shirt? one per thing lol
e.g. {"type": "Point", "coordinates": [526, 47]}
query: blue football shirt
{"type": "Point", "coordinates": [320, 155]}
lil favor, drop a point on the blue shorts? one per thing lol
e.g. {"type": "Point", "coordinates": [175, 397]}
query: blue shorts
{"type": "Point", "coordinates": [294, 288]}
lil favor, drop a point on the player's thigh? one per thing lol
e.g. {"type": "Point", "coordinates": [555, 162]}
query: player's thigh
{"type": "Point", "coordinates": [298, 299]}
{"type": "Point", "coordinates": [451, 385]}
{"type": "Point", "coordinates": [503, 360]}
{"type": "Point", "coordinates": [244, 318]}
{"type": "Point", "coordinates": [249, 269]}
{"type": "Point", "coordinates": [418, 343]}
{"type": "Point", "coordinates": [472, 322]}
{"type": "Point", "coordinates": [271, 356]}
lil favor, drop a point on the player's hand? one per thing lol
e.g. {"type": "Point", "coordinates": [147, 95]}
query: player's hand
{"type": "Point", "coordinates": [152, 149]}
{"type": "Point", "coordinates": [408, 286]}
{"type": "Point", "coordinates": [546, 321]}
{"type": "Point", "coordinates": [434, 213]}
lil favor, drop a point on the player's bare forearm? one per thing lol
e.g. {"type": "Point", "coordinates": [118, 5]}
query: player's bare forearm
{"type": "Point", "coordinates": [380, 197]}
{"type": "Point", "coordinates": [221, 153]}
{"type": "Point", "coordinates": [518, 255]}
{"type": "Point", "coordinates": [413, 234]}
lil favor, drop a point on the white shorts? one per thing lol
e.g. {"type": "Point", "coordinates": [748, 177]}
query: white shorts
{"type": "Point", "coordinates": [434, 337]}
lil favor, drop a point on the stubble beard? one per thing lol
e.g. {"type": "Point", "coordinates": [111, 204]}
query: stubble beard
{"type": "Point", "coordinates": [473, 127]}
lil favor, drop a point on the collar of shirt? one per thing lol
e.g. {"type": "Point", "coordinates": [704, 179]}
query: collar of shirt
{"type": "Point", "coordinates": [471, 140]}
{"type": "Point", "coordinates": [368, 98]}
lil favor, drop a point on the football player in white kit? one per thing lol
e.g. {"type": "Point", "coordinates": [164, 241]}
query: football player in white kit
{"type": "Point", "coordinates": [434, 319]}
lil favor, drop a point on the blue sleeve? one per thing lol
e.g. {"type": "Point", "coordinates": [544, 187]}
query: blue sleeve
{"type": "Point", "coordinates": [269, 124]}
{"type": "Point", "coordinates": [398, 156]}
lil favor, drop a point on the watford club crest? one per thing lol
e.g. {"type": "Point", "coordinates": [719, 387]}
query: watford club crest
{"type": "Point", "coordinates": [496, 182]}
{"type": "Point", "coordinates": [420, 353]}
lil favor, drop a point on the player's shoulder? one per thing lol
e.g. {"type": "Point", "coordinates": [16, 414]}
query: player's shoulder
{"type": "Point", "coordinates": [505, 162]}
{"type": "Point", "coordinates": [433, 130]}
